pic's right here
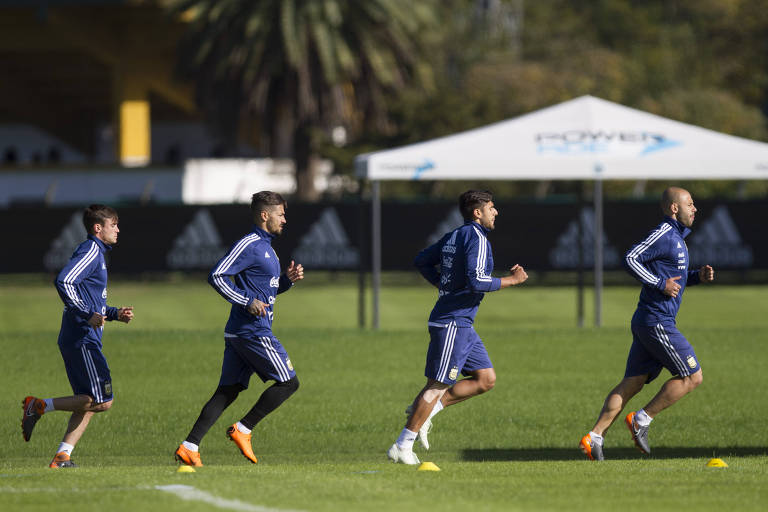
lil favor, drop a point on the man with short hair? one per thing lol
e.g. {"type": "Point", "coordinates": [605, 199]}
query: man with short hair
{"type": "Point", "coordinates": [660, 263]}
{"type": "Point", "coordinates": [249, 345]}
{"type": "Point", "coordinates": [82, 285]}
{"type": "Point", "coordinates": [465, 261]}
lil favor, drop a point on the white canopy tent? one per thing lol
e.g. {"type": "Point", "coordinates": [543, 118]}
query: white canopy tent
{"type": "Point", "coordinates": [586, 138]}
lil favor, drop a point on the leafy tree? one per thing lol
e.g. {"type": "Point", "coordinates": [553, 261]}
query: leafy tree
{"type": "Point", "coordinates": [287, 71]}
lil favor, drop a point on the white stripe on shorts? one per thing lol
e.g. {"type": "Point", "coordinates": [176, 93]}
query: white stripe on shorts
{"type": "Point", "coordinates": [93, 376]}
{"type": "Point", "coordinates": [274, 356]}
{"type": "Point", "coordinates": [682, 370]}
{"type": "Point", "coordinates": [450, 337]}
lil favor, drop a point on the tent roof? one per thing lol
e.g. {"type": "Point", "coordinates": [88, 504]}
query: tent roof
{"type": "Point", "coordinates": [584, 138]}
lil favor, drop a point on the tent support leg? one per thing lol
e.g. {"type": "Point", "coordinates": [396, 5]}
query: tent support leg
{"type": "Point", "coordinates": [375, 249]}
{"type": "Point", "coordinates": [598, 247]}
{"type": "Point", "coordinates": [580, 259]}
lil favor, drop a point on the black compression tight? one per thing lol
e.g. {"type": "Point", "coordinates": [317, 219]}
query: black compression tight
{"type": "Point", "coordinates": [221, 399]}
{"type": "Point", "coordinates": [270, 400]}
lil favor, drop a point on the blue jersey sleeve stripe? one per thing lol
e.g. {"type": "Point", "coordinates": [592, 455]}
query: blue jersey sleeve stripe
{"type": "Point", "coordinates": [222, 284]}
{"type": "Point", "coordinates": [234, 253]}
{"type": "Point", "coordinates": [635, 265]}
{"type": "Point", "coordinates": [72, 275]}
{"type": "Point", "coordinates": [229, 292]}
{"type": "Point", "coordinates": [482, 251]}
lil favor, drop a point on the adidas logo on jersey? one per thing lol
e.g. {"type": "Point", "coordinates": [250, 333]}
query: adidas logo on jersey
{"type": "Point", "coordinates": [717, 242]}
{"type": "Point", "coordinates": [198, 246]}
{"type": "Point", "coordinates": [65, 244]}
{"type": "Point", "coordinates": [566, 253]}
{"type": "Point", "coordinates": [326, 244]}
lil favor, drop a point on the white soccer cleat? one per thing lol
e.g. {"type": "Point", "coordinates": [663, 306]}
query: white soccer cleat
{"type": "Point", "coordinates": [396, 455]}
{"type": "Point", "coordinates": [424, 431]}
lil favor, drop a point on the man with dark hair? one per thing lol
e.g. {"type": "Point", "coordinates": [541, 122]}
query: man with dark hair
{"type": "Point", "coordinates": [249, 345]}
{"type": "Point", "coordinates": [82, 285]}
{"type": "Point", "coordinates": [465, 264]}
{"type": "Point", "coordinates": [660, 263]}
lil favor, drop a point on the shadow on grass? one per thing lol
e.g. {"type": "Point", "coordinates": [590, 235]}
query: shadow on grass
{"type": "Point", "coordinates": [661, 452]}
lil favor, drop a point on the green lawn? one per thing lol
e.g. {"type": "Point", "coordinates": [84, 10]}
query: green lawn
{"type": "Point", "coordinates": [324, 449]}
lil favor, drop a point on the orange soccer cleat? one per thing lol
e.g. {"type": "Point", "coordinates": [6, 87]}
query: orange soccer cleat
{"type": "Point", "coordinates": [590, 448]}
{"type": "Point", "coordinates": [243, 442]}
{"type": "Point", "coordinates": [33, 410]}
{"type": "Point", "coordinates": [61, 460]}
{"type": "Point", "coordinates": [188, 457]}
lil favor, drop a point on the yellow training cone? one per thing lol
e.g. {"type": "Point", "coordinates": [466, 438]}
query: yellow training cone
{"type": "Point", "coordinates": [185, 469]}
{"type": "Point", "coordinates": [428, 466]}
{"type": "Point", "coordinates": [716, 463]}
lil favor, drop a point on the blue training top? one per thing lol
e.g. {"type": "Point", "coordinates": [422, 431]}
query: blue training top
{"type": "Point", "coordinates": [663, 254]}
{"type": "Point", "coordinates": [255, 269]}
{"type": "Point", "coordinates": [82, 285]}
{"type": "Point", "coordinates": [466, 262]}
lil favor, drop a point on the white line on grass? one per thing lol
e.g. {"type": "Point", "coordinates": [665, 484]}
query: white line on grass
{"type": "Point", "coordinates": [189, 493]}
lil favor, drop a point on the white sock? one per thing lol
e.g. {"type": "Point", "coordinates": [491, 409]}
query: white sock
{"type": "Point", "coordinates": [191, 446]}
{"type": "Point", "coordinates": [49, 405]}
{"type": "Point", "coordinates": [66, 448]}
{"type": "Point", "coordinates": [406, 439]}
{"type": "Point", "coordinates": [436, 409]}
{"type": "Point", "coordinates": [642, 418]}
{"type": "Point", "coordinates": [596, 437]}
{"type": "Point", "coordinates": [242, 428]}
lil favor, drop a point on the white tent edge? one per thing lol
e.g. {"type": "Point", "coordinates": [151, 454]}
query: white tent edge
{"type": "Point", "coordinates": [593, 168]}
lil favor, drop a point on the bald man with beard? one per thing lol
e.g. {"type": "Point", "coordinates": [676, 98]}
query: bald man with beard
{"type": "Point", "coordinates": [660, 263]}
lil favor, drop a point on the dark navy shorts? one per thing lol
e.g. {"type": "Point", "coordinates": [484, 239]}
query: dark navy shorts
{"type": "Point", "coordinates": [454, 349]}
{"type": "Point", "coordinates": [660, 346]}
{"type": "Point", "coordinates": [88, 371]}
{"type": "Point", "coordinates": [263, 355]}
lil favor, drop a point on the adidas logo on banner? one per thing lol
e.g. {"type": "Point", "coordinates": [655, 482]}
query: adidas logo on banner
{"type": "Point", "coordinates": [198, 246]}
{"type": "Point", "coordinates": [326, 245]}
{"type": "Point", "coordinates": [717, 242]}
{"type": "Point", "coordinates": [65, 244]}
{"type": "Point", "coordinates": [451, 222]}
{"type": "Point", "coordinates": [566, 255]}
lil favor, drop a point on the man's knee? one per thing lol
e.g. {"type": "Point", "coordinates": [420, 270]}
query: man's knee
{"type": "Point", "coordinates": [486, 381]}
{"type": "Point", "coordinates": [695, 380]}
{"type": "Point", "coordinates": [290, 386]}
{"type": "Point", "coordinates": [102, 407]}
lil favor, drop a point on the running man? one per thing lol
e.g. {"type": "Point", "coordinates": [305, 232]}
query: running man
{"type": "Point", "coordinates": [249, 345]}
{"type": "Point", "coordinates": [465, 260]}
{"type": "Point", "coordinates": [660, 263]}
{"type": "Point", "coordinates": [82, 285]}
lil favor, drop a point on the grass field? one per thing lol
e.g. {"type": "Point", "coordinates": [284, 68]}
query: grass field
{"type": "Point", "coordinates": [324, 449]}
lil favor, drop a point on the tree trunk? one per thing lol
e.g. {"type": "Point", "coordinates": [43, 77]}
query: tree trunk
{"type": "Point", "coordinates": [305, 168]}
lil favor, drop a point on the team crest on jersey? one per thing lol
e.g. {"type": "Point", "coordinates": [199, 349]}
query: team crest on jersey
{"type": "Point", "coordinates": [289, 364]}
{"type": "Point", "coordinates": [454, 373]}
{"type": "Point", "coordinates": [108, 387]}
{"type": "Point", "coordinates": [691, 361]}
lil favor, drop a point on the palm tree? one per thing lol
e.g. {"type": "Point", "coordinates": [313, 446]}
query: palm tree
{"type": "Point", "coordinates": [285, 70]}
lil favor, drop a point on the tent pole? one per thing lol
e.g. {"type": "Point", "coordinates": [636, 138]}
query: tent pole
{"type": "Point", "coordinates": [361, 240]}
{"type": "Point", "coordinates": [580, 258]}
{"type": "Point", "coordinates": [598, 245]}
{"type": "Point", "coordinates": [376, 249]}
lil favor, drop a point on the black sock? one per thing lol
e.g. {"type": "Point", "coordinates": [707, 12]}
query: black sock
{"type": "Point", "coordinates": [222, 397]}
{"type": "Point", "coordinates": [270, 400]}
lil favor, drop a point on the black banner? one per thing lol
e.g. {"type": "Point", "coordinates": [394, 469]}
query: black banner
{"type": "Point", "coordinates": [540, 236]}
